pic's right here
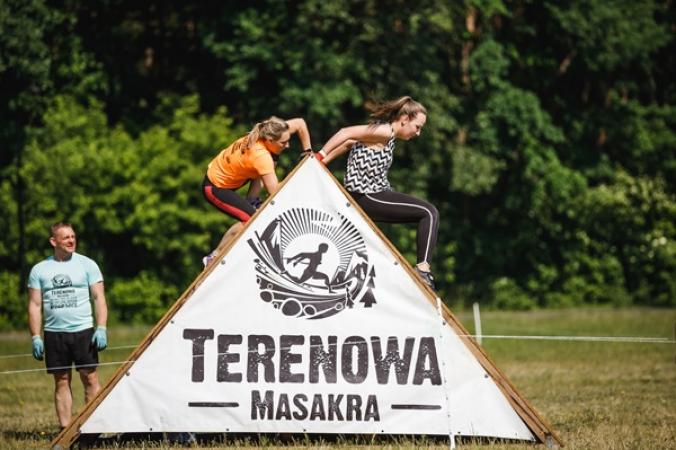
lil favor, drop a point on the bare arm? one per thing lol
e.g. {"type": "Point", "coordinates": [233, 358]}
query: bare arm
{"type": "Point", "coordinates": [339, 151]}
{"type": "Point", "coordinates": [101, 308]}
{"type": "Point", "coordinates": [299, 126]}
{"type": "Point", "coordinates": [34, 311]}
{"type": "Point", "coordinates": [368, 134]}
{"type": "Point", "coordinates": [270, 182]}
{"type": "Point", "coordinates": [255, 188]}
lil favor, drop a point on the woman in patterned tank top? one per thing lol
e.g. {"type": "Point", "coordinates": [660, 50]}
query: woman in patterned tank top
{"type": "Point", "coordinates": [371, 149]}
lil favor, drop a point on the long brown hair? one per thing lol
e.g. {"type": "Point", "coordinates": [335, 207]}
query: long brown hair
{"type": "Point", "coordinates": [391, 110]}
{"type": "Point", "coordinates": [271, 129]}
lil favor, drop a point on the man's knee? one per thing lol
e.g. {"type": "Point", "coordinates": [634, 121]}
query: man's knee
{"type": "Point", "coordinates": [89, 377]}
{"type": "Point", "coordinates": [62, 382]}
{"type": "Point", "coordinates": [62, 377]}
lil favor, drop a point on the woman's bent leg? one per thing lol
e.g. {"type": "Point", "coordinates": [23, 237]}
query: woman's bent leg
{"type": "Point", "coordinates": [395, 207]}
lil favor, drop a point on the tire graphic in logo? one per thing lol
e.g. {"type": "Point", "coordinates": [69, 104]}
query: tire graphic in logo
{"type": "Point", "coordinates": [312, 264]}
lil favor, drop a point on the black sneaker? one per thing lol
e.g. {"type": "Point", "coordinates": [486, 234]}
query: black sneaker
{"type": "Point", "coordinates": [427, 277]}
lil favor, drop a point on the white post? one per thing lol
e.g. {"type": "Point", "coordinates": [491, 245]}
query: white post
{"type": "Point", "coordinates": [442, 323]}
{"type": "Point", "coordinates": [477, 322]}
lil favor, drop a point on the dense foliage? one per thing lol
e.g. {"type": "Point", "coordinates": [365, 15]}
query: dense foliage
{"type": "Point", "coordinates": [550, 149]}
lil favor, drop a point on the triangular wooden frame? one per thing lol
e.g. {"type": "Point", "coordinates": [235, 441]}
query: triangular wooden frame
{"type": "Point", "coordinates": [535, 422]}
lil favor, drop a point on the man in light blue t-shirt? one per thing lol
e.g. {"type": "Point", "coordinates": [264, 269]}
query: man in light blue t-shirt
{"type": "Point", "coordinates": [62, 286]}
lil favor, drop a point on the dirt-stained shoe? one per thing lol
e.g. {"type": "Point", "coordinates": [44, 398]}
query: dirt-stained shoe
{"type": "Point", "coordinates": [427, 277]}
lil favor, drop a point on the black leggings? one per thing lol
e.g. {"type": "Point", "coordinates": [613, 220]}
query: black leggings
{"type": "Point", "coordinates": [395, 207]}
{"type": "Point", "coordinates": [227, 201]}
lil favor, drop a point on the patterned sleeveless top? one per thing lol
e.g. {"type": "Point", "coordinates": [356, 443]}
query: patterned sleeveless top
{"type": "Point", "coordinates": [367, 168]}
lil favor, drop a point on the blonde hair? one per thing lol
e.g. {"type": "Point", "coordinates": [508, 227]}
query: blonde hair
{"type": "Point", "coordinates": [391, 110]}
{"type": "Point", "coordinates": [270, 129]}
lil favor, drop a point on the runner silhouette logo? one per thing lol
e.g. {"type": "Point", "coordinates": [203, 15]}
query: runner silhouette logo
{"type": "Point", "coordinates": [312, 264]}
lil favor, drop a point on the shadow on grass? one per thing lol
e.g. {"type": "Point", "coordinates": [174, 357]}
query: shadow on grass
{"type": "Point", "coordinates": [182, 440]}
{"type": "Point", "coordinates": [273, 440]}
{"type": "Point", "coordinates": [30, 435]}
{"type": "Point", "coordinates": [249, 439]}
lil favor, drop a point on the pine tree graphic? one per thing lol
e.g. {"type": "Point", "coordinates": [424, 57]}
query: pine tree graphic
{"type": "Point", "coordinates": [369, 299]}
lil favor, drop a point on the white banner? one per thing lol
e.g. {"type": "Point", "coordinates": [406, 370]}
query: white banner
{"type": "Point", "coordinates": [309, 324]}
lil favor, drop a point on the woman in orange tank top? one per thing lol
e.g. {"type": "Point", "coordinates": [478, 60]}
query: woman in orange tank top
{"type": "Point", "coordinates": [250, 159]}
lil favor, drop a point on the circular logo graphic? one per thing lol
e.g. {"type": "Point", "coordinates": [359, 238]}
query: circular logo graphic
{"type": "Point", "coordinates": [61, 281]}
{"type": "Point", "coordinates": [312, 264]}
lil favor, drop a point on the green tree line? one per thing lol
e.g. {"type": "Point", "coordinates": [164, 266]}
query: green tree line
{"type": "Point", "coordinates": [550, 148]}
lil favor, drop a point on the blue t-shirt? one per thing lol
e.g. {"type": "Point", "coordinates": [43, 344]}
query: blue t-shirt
{"type": "Point", "coordinates": [65, 291]}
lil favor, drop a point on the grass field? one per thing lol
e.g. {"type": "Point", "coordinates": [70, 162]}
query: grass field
{"type": "Point", "coordinates": [596, 395]}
